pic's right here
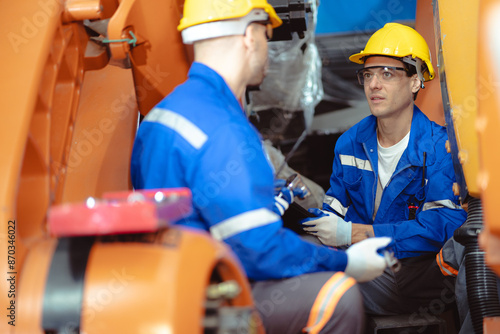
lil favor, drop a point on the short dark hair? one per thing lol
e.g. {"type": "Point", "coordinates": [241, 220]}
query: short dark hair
{"type": "Point", "coordinates": [410, 71]}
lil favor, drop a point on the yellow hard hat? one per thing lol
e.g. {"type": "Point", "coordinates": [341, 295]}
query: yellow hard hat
{"type": "Point", "coordinates": [203, 11]}
{"type": "Point", "coordinates": [398, 40]}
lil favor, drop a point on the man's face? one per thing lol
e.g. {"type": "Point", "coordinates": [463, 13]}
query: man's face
{"type": "Point", "coordinates": [259, 61]}
{"type": "Point", "coordinates": [389, 91]}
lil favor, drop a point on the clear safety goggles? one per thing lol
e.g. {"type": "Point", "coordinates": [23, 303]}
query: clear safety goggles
{"type": "Point", "coordinates": [385, 74]}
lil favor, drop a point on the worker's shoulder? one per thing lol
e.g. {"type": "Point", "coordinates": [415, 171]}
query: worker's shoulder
{"type": "Point", "coordinates": [430, 128]}
{"type": "Point", "coordinates": [439, 131]}
{"type": "Point", "coordinates": [359, 132]}
{"type": "Point", "coordinates": [201, 125]}
{"type": "Point", "coordinates": [434, 139]}
{"type": "Point", "coordinates": [204, 110]}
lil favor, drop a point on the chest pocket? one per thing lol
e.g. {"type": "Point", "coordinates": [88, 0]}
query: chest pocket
{"type": "Point", "coordinates": [353, 170]}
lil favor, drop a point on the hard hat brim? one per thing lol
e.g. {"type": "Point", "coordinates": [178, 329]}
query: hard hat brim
{"type": "Point", "coordinates": [358, 57]}
{"type": "Point", "coordinates": [273, 18]}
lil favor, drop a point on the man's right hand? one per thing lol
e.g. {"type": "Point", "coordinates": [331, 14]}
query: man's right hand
{"type": "Point", "coordinates": [364, 263]}
{"type": "Point", "coordinates": [284, 196]}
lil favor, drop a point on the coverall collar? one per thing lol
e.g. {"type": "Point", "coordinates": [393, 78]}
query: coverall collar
{"type": "Point", "coordinates": [421, 127]}
{"type": "Point", "coordinates": [214, 79]}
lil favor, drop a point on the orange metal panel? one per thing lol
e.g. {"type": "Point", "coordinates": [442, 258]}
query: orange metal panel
{"type": "Point", "coordinates": [28, 28]}
{"type": "Point", "coordinates": [104, 130]}
{"type": "Point", "coordinates": [429, 99]}
{"type": "Point", "coordinates": [490, 242]}
{"type": "Point", "coordinates": [488, 125]}
{"type": "Point", "coordinates": [32, 287]}
{"type": "Point", "coordinates": [50, 130]}
{"type": "Point", "coordinates": [491, 325]}
{"type": "Point", "coordinates": [153, 285]}
{"type": "Point", "coordinates": [159, 60]}
{"type": "Point", "coordinates": [458, 25]}
{"type": "Point", "coordinates": [79, 10]}
{"type": "Point", "coordinates": [55, 113]}
{"type": "Point", "coordinates": [158, 288]}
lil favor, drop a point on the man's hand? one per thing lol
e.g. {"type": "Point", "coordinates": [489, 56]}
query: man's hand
{"type": "Point", "coordinates": [363, 261]}
{"type": "Point", "coordinates": [284, 196]}
{"type": "Point", "coordinates": [330, 229]}
{"type": "Point", "coordinates": [361, 232]}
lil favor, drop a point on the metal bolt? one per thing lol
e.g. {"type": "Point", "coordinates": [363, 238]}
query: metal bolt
{"type": "Point", "coordinates": [226, 290]}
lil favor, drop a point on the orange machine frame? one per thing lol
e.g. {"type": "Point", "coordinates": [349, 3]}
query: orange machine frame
{"type": "Point", "coordinates": [488, 123]}
{"type": "Point", "coordinates": [72, 90]}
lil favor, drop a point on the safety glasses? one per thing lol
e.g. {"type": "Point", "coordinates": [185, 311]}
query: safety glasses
{"type": "Point", "coordinates": [385, 74]}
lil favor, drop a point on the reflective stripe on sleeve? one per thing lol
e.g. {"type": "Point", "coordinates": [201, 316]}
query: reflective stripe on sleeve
{"type": "Point", "coordinates": [184, 127]}
{"type": "Point", "coordinates": [335, 205]}
{"type": "Point", "coordinates": [243, 222]}
{"type": "Point", "coordinates": [445, 268]}
{"type": "Point", "coordinates": [326, 301]}
{"type": "Point", "coordinates": [349, 160]}
{"type": "Point", "coordinates": [440, 204]}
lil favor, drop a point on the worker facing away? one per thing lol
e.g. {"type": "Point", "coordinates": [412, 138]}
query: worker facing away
{"type": "Point", "coordinates": [392, 176]}
{"type": "Point", "coordinates": [198, 137]}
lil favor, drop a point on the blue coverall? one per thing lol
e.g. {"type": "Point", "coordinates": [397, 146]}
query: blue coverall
{"type": "Point", "coordinates": [353, 186]}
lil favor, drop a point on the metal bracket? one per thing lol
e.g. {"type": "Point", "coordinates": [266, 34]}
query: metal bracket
{"type": "Point", "coordinates": [131, 41]}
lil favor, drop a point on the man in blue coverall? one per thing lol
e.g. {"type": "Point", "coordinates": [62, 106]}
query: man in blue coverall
{"type": "Point", "coordinates": [393, 177]}
{"type": "Point", "coordinates": [199, 137]}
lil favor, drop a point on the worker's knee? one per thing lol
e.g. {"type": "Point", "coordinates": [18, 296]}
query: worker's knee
{"type": "Point", "coordinates": [340, 306]}
{"type": "Point", "coordinates": [322, 302]}
{"type": "Point", "coordinates": [350, 306]}
{"type": "Point", "coordinates": [351, 303]}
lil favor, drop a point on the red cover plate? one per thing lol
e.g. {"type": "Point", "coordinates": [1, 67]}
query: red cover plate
{"type": "Point", "coordinates": [121, 212]}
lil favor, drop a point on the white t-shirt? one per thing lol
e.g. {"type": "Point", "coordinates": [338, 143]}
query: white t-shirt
{"type": "Point", "coordinates": [388, 158]}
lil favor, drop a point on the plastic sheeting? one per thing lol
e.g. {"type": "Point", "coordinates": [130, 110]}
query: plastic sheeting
{"type": "Point", "coordinates": [293, 81]}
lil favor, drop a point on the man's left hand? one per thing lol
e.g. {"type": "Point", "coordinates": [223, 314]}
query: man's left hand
{"type": "Point", "coordinates": [330, 229]}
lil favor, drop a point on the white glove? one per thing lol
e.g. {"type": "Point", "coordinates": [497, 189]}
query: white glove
{"type": "Point", "coordinates": [330, 229]}
{"type": "Point", "coordinates": [363, 261]}
{"type": "Point", "coordinates": [283, 201]}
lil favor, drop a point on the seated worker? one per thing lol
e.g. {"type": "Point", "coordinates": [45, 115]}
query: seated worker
{"type": "Point", "coordinates": [199, 137]}
{"type": "Point", "coordinates": [392, 176]}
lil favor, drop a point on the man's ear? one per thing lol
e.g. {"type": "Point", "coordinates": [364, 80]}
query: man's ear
{"type": "Point", "coordinates": [249, 37]}
{"type": "Point", "coordinates": [416, 84]}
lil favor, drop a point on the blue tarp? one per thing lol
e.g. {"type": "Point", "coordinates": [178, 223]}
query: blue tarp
{"type": "Point", "coordinates": [362, 16]}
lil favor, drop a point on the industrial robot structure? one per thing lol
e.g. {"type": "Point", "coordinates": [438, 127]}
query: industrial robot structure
{"type": "Point", "coordinates": [80, 252]}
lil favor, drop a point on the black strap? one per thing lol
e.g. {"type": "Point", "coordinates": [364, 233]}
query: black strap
{"type": "Point", "coordinates": [62, 302]}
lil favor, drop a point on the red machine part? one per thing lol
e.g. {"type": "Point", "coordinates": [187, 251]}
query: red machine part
{"type": "Point", "coordinates": [120, 212]}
